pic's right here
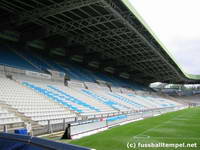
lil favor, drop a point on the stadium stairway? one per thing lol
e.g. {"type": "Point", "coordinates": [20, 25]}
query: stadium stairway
{"type": "Point", "coordinates": [21, 116]}
{"type": "Point", "coordinates": [18, 118]}
{"type": "Point", "coordinates": [9, 119]}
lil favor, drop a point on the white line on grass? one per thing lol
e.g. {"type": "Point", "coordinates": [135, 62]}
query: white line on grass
{"type": "Point", "coordinates": [159, 137]}
{"type": "Point", "coordinates": [155, 127]}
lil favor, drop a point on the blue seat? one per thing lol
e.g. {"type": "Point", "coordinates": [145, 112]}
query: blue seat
{"type": "Point", "coordinates": [34, 60]}
{"type": "Point", "coordinates": [73, 99]}
{"type": "Point", "coordinates": [10, 58]}
{"type": "Point", "coordinates": [104, 100]}
{"type": "Point", "coordinates": [126, 100]}
{"type": "Point", "coordinates": [120, 117]}
{"type": "Point", "coordinates": [52, 96]}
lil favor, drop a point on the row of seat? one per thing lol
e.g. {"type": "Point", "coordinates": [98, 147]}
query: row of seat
{"type": "Point", "coordinates": [30, 103]}
{"type": "Point", "coordinates": [113, 104]}
{"type": "Point", "coordinates": [42, 101]}
{"type": "Point", "coordinates": [73, 99]}
{"type": "Point", "coordinates": [29, 60]}
{"type": "Point", "coordinates": [120, 117]}
{"type": "Point", "coordinates": [52, 117]}
{"type": "Point", "coordinates": [126, 100]}
{"type": "Point", "coordinates": [12, 120]}
{"type": "Point", "coordinates": [56, 121]}
{"type": "Point", "coordinates": [7, 117]}
{"type": "Point", "coordinates": [10, 58]}
{"type": "Point", "coordinates": [155, 101]}
{"type": "Point", "coordinates": [59, 95]}
{"type": "Point", "coordinates": [51, 96]}
{"type": "Point", "coordinates": [89, 100]}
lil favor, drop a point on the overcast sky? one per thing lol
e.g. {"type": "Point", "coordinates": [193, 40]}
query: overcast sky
{"type": "Point", "coordinates": [177, 24]}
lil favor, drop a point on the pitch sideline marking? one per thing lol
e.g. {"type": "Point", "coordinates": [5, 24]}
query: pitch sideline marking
{"type": "Point", "coordinates": [157, 137]}
{"type": "Point", "coordinates": [142, 133]}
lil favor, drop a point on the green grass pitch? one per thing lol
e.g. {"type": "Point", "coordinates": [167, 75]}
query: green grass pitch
{"type": "Point", "coordinates": [171, 128]}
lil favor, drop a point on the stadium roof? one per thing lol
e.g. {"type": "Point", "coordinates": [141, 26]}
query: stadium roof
{"type": "Point", "coordinates": [110, 32]}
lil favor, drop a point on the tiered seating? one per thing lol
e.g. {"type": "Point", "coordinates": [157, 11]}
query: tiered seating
{"type": "Point", "coordinates": [128, 101]}
{"type": "Point", "coordinates": [87, 93]}
{"type": "Point", "coordinates": [9, 58]}
{"type": "Point", "coordinates": [5, 116]}
{"type": "Point", "coordinates": [116, 118]}
{"type": "Point", "coordinates": [8, 118]}
{"type": "Point", "coordinates": [161, 104]}
{"type": "Point", "coordinates": [113, 104]}
{"type": "Point", "coordinates": [62, 95]}
{"type": "Point", "coordinates": [75, 72]}
{"type": "Point", "coordinates": [44, 64]}
{"type": "Point", "coordinates": [156, 102]}
{"type": "Point", "coordinates": [1, 70]}
{"type": "Point", "coordinates": [165, 102]}
{"type": "Point", "coordinates": [32, 104]}
{"type": "Point", "coordinates": [141, 100]}
{"type": "Point", "coordinates": [76, 93]}
{"type": "Point", "coordinates": [42, 101]}
{"type": "Point", "coordinates": [73, 99]}
{"type": "Point", "coordinates": [34, 60]}
{"type": "Point", "coordinates": [56, 66]}
{"type": "Point", "coordinates": [83, 74]}
{"type": "Point", "coordinates": [55, 97]}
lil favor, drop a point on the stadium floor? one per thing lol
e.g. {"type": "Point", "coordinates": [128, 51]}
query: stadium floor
{"type": "Point", "coordinates": [181, 128]}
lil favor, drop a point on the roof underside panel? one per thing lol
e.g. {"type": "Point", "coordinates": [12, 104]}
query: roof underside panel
{"type": "Point", "coordinates": [106, 27]}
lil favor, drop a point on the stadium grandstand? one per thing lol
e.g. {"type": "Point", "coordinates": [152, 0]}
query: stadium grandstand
{"type": "Point", "coordinates": [78, 67]}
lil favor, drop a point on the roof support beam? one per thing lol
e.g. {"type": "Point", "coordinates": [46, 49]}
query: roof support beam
{"type": "Point", "coordinates": [51, 10]}
{"type": "Point", "coordinates": [147, 60]}
{"type": "Point", "coordinates": [130, 24]}
{"type": "Point", "coordinates": [118, 43]}
{"type": "Point", "coordinates": [105, 34]}
{"type": "Point", "coordinates": [83, 23]}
